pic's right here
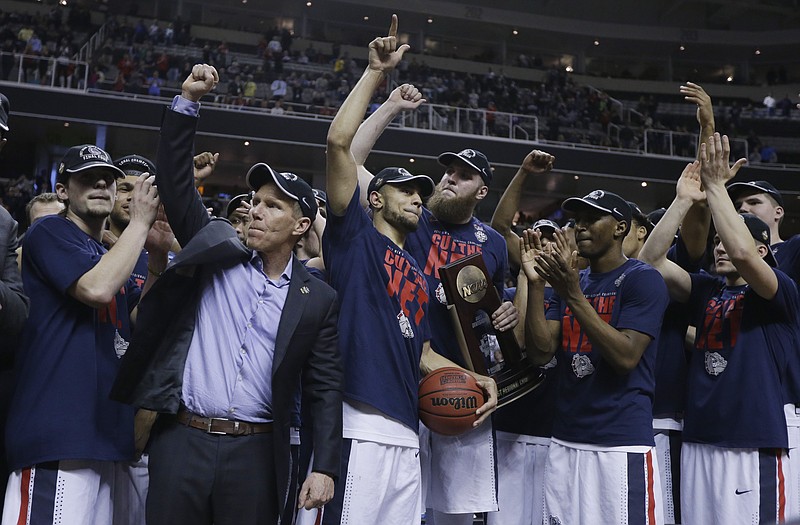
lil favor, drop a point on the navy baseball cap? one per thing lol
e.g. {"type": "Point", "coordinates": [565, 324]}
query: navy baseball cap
{"type": "Point", "coordinates": [235, 203]}
{"type": "Point", "coordinates": [755, 186]}
{"type": "Point", "coordinates": [290, 184]}
{"type": "Point", "coordinates": [5, 110]}
{"type": "Point", "coordinates": [472, 158]}
{"type": "Point", "coordinates": [399, 176]}
{"type": "Point", "coordinates": [135, 165]}
{"type": "Point", "coordinates": [545, 226]}
{"type": "Point", "coordinates": [601, 200]}
{"type": "Point", "coordinates": [760, 232]}
{"type": "Point", "coordinates": [656, 215]}
{"type": "Point", "coordinates": [638, 215]}
{"type": "Point", "coordinates": [320, 195]}
{"type": "Point", "coordinates": [86, 157]}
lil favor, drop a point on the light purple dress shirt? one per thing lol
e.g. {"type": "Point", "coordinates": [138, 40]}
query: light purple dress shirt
{"type": "Point", "coordinates": [228, 370]}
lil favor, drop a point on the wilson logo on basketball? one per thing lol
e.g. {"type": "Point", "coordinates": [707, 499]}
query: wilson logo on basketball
{"type": "Point", "coordinates": [446, 380]}
{"type": "Point", "coordinates": [470, 402]}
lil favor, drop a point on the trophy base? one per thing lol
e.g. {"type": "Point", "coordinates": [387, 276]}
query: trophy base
{"type": "Point", "coordinates": [514, 383]}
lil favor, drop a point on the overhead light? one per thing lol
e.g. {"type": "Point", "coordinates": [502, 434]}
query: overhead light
{"type": "Point", "coordinates": [597, 42]}
{"type": "Point", "coordinates": [66, 124]}
{"type": "Point", "coordinates": [515, 32]}
{"type": "Point", "coordinates": [411, 160]}
{"type": "Point", "coordinates": [758, 51]}
{"type": "Point", "coordinates": [430, 20]}
{"type": "Point", "coordinates": [246, 142]}
{"type": "Point", "coordinates": [366, 18]}
{"type": "Point", "coordinates": [644, 184]}
{"type": "Point", "coordinates": [682, 48]}
{"type": "Point", "coordinates": [576, 177]}
{"type": "Point", "coordinates": [308, 4]}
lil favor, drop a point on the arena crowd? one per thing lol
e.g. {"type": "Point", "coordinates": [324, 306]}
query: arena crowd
{"type": "Point", "coordinates": [262, 366]}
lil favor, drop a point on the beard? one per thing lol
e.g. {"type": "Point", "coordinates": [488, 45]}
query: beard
{"type": "Point", "coordinates": [401, 221]}
{"type": "Point", "coordinates": [119, 218]}
{"type": "Point", "coordinates": [456, 209]}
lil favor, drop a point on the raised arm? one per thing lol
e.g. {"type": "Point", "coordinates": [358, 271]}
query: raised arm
{"type": "Point", "coordinates": [736, 238]}
{"type": "Point", "coordinates": [536, 162]}
{"type": "Point", "coordinates": [341, 168]}
{"type": "Point", "coordinates": [175, 158]}
{"type": "Point", "coordinates": [402, 98]}
{"type": "Point", "coordinates": [542, 337]}
{"type": "Point", "coordinates": [98, 286]}
{"type": "Point", "coordinates": [696, 224]}
{"type": "Point", "coordinates": [654, 251]}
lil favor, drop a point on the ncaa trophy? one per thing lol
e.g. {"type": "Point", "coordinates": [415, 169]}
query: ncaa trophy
{"type": "Point", "coordinates": [471, 299]}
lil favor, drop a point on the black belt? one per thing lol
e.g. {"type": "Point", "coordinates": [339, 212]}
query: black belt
{"type": "Point", "coordinates": [216, 425]}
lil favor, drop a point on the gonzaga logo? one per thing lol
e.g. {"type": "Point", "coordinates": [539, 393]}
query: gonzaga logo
{"type": "Point", "coordinates": [468, 153]}
{"type": "Point", "coordinates": [715, 363]}
{"type": "Point", "coordinates": [595, 195]}
{"type": "Point", "coordinates": [582, 366]}
{"type": "Point", "coordinates": [289, 176]}
{"type": "Point", "coordinates": [405, 325]}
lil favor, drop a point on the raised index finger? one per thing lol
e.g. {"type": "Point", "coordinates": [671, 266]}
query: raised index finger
{"type": "Point", "coordinates": [393, 27]}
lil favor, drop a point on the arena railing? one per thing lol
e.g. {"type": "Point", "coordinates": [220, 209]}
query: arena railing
{"type": "Point", "coordinates": [44, 71]}
{"type": "Point", "coordinates": [683, 144]}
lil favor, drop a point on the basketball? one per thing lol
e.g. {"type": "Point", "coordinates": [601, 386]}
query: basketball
{"type": "Point", "coordinates": [448, 399]}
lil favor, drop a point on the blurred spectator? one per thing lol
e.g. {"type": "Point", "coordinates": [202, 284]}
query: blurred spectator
{"type": "Point", "coordinates": [769, 103]}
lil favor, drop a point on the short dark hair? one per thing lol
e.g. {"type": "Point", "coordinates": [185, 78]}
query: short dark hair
{"type": "Point", "coordinates": [43, 198]}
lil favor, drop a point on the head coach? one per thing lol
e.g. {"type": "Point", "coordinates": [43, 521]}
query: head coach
{"type": "Point", "coordinates": [223, 341]}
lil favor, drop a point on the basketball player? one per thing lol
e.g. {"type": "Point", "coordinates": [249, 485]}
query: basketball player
{"type": "Point", "coordinates": [734, 455]}
{"type": "Point", "coordinates": [68, 443]}
{"type": "Point", "coordinates": [602, 324]}
{"type": "Point", "coordinates": [383, 326]}
{"type": "Point", "coordinates": [523, 428]}
{"type": "Point", "coordinates": [448, 231]}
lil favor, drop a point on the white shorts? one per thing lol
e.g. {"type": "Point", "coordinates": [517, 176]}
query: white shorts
{"type": "Point", "coordinates": [462, 478]}
{"type": "Point", "coordinates": [668, 452]}
{"type": "Point", "coordinates": [74, 492]}
{"type": "Point", "coordinates": [733, 485]}
{"type": "Point", "coordinates": [520, 479]}
{"type": "Point", "coordinates": [793, 430]}
{"type": "Point", "coordinates": [382, 485]}
{"type": "Point", "coordinates": [618, 487]}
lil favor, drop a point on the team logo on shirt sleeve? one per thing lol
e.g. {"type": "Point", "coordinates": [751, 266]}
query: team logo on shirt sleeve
{"type": "Point", "coordinates": [582, 366]}
{"type": "Point", "coordinates": [715, 363]}
{"type": "Point", "coordinates": [405, 325]}
{"type": "Point", "coordinates": [480, 233]}
{"type": "Point", "coordinates": [440, 295]}
{"type": "Point", "coordinates": [120, 344]}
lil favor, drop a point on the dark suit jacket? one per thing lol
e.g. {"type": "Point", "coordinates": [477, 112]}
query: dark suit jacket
{"type": "Point", "coordinates": [13, 302]}
{"type": "Point", "coordinates": [151, 375]}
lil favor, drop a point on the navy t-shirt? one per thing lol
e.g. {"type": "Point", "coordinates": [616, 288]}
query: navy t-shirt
{"type": "Point", "coordinates": [736, 375]}
{"type": "Point", "coordinates": [383, 321]}
{"type": "Point", "coordinates": [69, 356]}
{"type": "Point", "coordinates": [436, 244]}
{"type": "Point", "coordinates": [139, 274]}
{"type": "Point", "coordinates": [595, 404]}
{"type": "Point", "coordinates": [787, 253]}
{"type": "Point", "coordinates": [532, 414]}
{"type": "Point", "coordinates": [671, 359]}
